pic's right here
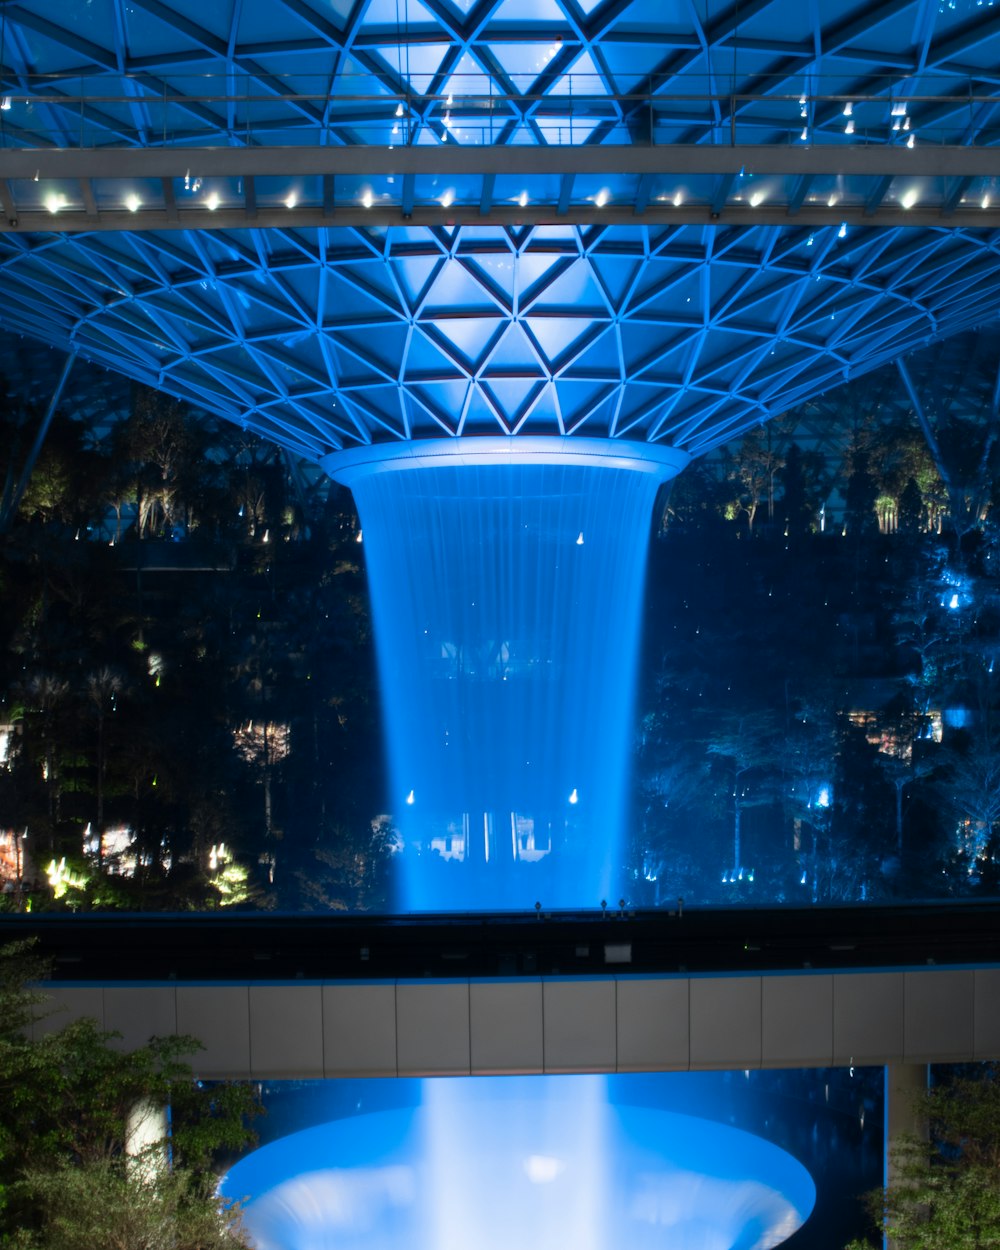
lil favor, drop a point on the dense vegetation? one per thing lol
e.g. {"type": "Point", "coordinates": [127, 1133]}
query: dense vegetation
{"type": "Point", "coordinates": [187, 678]}
{"type": "Point", "coordinates": [945, 1188]}
{"type": "Point", "coordinates": [82, 1161]}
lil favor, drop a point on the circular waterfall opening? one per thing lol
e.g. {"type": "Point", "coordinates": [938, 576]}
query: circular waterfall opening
{"type": "Point", "coordinates": [521, 1164]}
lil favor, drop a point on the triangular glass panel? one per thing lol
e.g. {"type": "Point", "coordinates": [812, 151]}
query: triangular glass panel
{"type": "Point", "coordinates": [523, 63]}
{"type": "Point", "coordinates": [574, 290]}
{"type": "Point", "coordinates": [560, 131]}
{"type": "Point", "coordinates": [469, 336]}
{"type": "Point", "coordinates": [413, 274]}
{"type": "Point", "coordinates": [515, 352]}
{"type": "Point", "coordinates": [428, 362]}
{"type": "Point", "coordinates": [370, 294]}
{"type": "Point", "coordinates": [542, 416]}
{"type": "Point", "coordinates": [616, 275]}
{"type": "Point", "coordinates": [455, 290]}
{"type": "Point", "coordinates": [598, 360]}
{"type": "Point", "coordinates": [512, 395]}
{"type": "Point", "coordinates": [578, 399]}
{"type": "Point", "coordinates": [582, 79]}
{"type": "Point", "coordinates": [401, 15]}
{"type": "Point", "coordinates": [383, 350]}
{"type": "Point", "coordinates": [522, 11]}
{"type": "Point", "coordinates": [495, 271]}
{"type": "Point", "coordinates": [382, 404]}
{"type": "Point", "coordinates": [469, 78]}
{"type": "Point", "coordinates": [416, 64]}
{"type": "Point", "coordinates": [445, 399]}
{"type": "Point", "coordinates": [534, 267]}
{"type": "Point", "coordinates": [558, 336]}
{"type": "Point", "coordinates": [480, 416]}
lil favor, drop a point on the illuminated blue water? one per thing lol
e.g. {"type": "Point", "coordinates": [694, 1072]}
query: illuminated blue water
{"type": "Point", "coordinates": [522, 1164]}
{"type": "Point", "coordinates": [506, 602]}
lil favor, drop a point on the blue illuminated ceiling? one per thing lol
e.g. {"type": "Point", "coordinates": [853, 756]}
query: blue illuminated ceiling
{"type": "Point", "coordinates": [633, 297]}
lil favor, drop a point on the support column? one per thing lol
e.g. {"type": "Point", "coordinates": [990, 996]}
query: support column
{"type": "Point", "coordinates": [904, 1085]}
{"type": "Point", "coordinates": [147, 1139]}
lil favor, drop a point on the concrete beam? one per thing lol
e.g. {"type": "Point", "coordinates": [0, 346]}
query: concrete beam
{"type": "Point", "coordinates": [557, 1024]}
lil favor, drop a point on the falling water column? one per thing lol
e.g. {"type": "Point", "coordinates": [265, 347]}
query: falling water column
{"type": "Point", "coordinates": [506, 578]}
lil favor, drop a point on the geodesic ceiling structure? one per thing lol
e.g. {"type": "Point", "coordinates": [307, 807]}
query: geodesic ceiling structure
{"type": "Point", "coordinates": [337, 223]}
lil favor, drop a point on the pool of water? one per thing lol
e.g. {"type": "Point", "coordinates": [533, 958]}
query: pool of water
{"type": "Point", "coordinates": [530, 1163]}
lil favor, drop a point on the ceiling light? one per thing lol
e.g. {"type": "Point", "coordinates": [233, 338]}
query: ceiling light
{"type": "Point", "coordinates": [678, 199]}
{"type": "Point", "coordinates": [899, 110]}
{"type": "Point", "coordinates": [849, 128]}
{"type": "Point", "coordinates": [848, 109]}
{"type": "Point", "coordinates": [448, 198]}
{"type": "Point", "coordinates": [291, 200]}
{"type": "Point", "coordinates": [132, 202]}
{"type": "Point", "coordinates": [450, 100]}
{"type": "Point", "coordinates": [5, 103]}
{"type": "Point", "coordinates": [842, 232]}
{"type": "Point", "coordinates": [602, 197]}
{"type": "Point", "coordinates": [523, 199]}
{"type": "Point", "coordinates": [757, 198]}
{"type": "Point", "coordinates": [909, 198]}
{"type": "Point", "coordinates": [986, 201]}
{"type": "Point", "coordinates": [909, 142]}
{"type": "Point", "coordinates": [832, 201]}
{"type": "Point", "coordinates": [399, 109]}
{"type": "Point", "coordinates": [54, 202]}
{"type": "Point", "coordinates": [804, 135]}
{"type": "Point", "coordinates": [212, 202]}
{"type": "Point", "coordinates": [367, 199]}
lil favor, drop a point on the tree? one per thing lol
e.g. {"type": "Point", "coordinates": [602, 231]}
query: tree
{"type": "Point", "coordinates": [750, 746]}
{"type": "Point", "coordinates": [946, 1191]}
{"type": "Point", "coordinates": [801, 479]}
{"type": "Point", "coordinates": [67, 1177]}
{"type": "Point", "coordinates": [753, 471]}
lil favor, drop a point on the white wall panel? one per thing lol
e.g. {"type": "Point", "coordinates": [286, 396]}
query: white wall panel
{"type": "Point", "coordinates": [580, 1027]}
{"type": "Point", "coordinates": [725, 1022]}
{"type": "Point", "coordinates": [67, 1003]}
{"type": "Point", "coordinates": [359, 1029]}
{"type": "Point", "coordinates": [797, 1021]}
{"type": "Point", "coordinates": [432, 1028]}
{"type": "Point", "coordinates": [986, 1016]}
{"type": "Point", "coordinates": [286, 1030]}
{"type": "Point", "coordinates": [938, 1015]}
{"type": "Point", "coordinates": [506, 1027]}
{"type": "Point", "coordinates": [219, 1016]}
{"type": "Point", "coordinates": [139, 1012]}
{"type": "Point", "coordinates": [868, 1017]}
{"type": "Point", "coordinates": [565, 1024]}
{"type": "Point", "coordinates": [654, 1027]}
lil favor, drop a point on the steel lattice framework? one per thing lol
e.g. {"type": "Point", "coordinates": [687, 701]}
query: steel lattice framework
{"type": "Point", "coordinates": [310, 305]}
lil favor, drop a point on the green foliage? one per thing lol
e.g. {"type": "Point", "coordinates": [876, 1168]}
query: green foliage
{"type": "Point", "coordinates": [946, 1191]}
{"type": "Point", "coordinates": [103, 1204]}
{"type": "Point", "coordinates": [65, 1101]}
